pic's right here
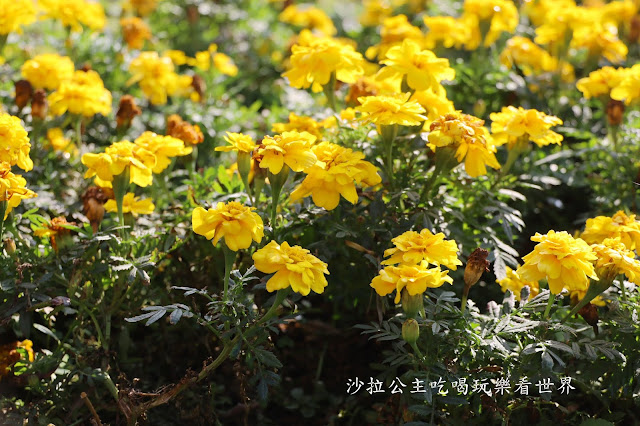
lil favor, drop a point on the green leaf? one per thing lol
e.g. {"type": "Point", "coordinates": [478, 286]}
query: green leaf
{"type": "Point", "coordinates": [267, 358]}
{"type": "Point", "coordinates": [41, 328]}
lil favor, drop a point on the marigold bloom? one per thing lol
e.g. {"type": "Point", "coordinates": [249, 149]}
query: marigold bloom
{"type": "Point", "coordinates": [143, 7]}
{"type": "Point", "coordinates": [435, 103]}
{"type": "Point", "coordinates": [315, 59]}
{"type": "Point", "coordinates": [14, 14]}
{"type": "Point", "coordinates": [513, 124]}
{"type": "Point", "coordinates": [528, 56]}
{"type": "Point", "coordinates": [422, 68]}
{"type": "Point", "coordinates": [445, 30]}
{"type": "Point", "coordinates": [387, 110]}
{"type": "Point", "coordinates": [497, 16]}
{"type": "Point", "coordinates": [163, 148]}
{"type": "Point", "coordinates": [55, 229]}
{"type": "Point", "coordinates": [238, 224]}
{"type": "Point", "coordinates": [614, 259]}
{"type": "Point", "coordinates": [628, 90]}
{"type": "Point", "coordinates": [135, 32]}
{"type": "Point", "coordinates": [564, 261]}
{"type": "Point", "coordinates": [14, 142]}
{"type": "Point", "coordinates": [415, 278]}
{"type": "Point", "coordinates": [224, 64]}
{"type": "Point", "coordinates": [9, 353]}
{"type": "Point", "coordinates": [75, 13]}
{"type": "Point", "coordinates": [309, 17]}
{"type": "Point", "coordinates": [48, 70]}
{"type": "Point", "coordinates": [395, 30]}
{"type": "Point", "coordinates": [84, 94]}
{"type": "Point", "coordinates": [116, 159]}
{"type": "Point", "coordinates": [600, 41]}
{"type": "Point", "coordinates": [157, 77]}
{"type": "Point", "coordinates": [561, 22]}
{"type": "Point", "coordinates": [292, 266]}
{"type": "Point", "coordinates": [290, 148]}
{"type": "Point", "coordinates": [336, 173]}
{"type": "Point", "coordinates": [178, 128]}
{"type": "Point", "coordinates": [513, 282]}
{"type": "Point", "coordinates": [619, 226]}
{"type": "Point", "coordinates": [414, 247]}
{"type": "Point", "coordinates": [58, 142]}
{"type": "Point", "coordinates": [375, 12]}
{"type": "Point", "coordinates": [238, 142]}
{"type": "Point", "coordinates": [131, 204]}
{"type": "Point", "coordinates": [300, 123]}
{"type": "Point", "coordinates": [12, 188]}
{"type": "Point", "coordinates": [600, 82]}
{"type": "Point", "coordinates": [470, 139]}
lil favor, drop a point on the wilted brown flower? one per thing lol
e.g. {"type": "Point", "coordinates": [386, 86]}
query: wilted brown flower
{"type": "Point", "coordinates": [477, 264]}
{"type": "Point", "coordinates": [39, 106]}
{"type": "Point", "coordinates": [615, 112]}
{"type": "Point", "coordinates": [127, 110]}
{"type": "Point", "coordinates": [634, 31]}
{"type": "Point", "coordinates": [180, 129]}
{"type": "Point", "coordinates": [199, 86]}
{"type": "Point", "coordinates": [24, 91]}
{"type": "Point", "coordinates": [93, 204]}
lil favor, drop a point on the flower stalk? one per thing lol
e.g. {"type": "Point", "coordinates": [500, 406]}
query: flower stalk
{"type": "Point", "coordinates": [329, 90]}
{"type": "Point", "coordinates": [388, 133]}
{"type": "Point", "coordinates": [3, 210]}
{"type": "Point", "coordinates": [277, 182]}
{"type": "Point", "coordinates": [120, 187]}
{"type": "Point", "coordinates": [229, 259]}
{"type": "Point", "coordinates": [595, 289]}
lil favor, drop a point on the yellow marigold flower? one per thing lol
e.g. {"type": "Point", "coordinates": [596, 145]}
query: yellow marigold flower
{"type": "Point", "coordinates": [290, 148]}
{"type": "Point", "coordinates": [528, 56]}
{"type": "Point", "coordinates": [12, 188]}
{"type": "Point", "coordinates": [422, 68]}
{"type": "Point", "coordinates": [336, 173]}
{"type": "Point", "coordinates": [225, 64]}
{"type": "Point", "coordinates": [614, 259]}
{"type": "Point", "coordinates": [619, 13]}
{"type": "Point", "coordinates": [157, 77]}
{"type": "Point", "coordinates": [601, 82]}
{"type": "Point", "coordinates": [75, 13]}
{"type": "Point", "coordinates": [394, 31]}
{"type": "Point", "coordinates": [143, 7]}
{"type": "Point", "coordinates": [58, 142]}
{"type": "Point", "coordinates": [116, 159]}
{"type": "Point", "coordinates": [178, 57]}
{"type": "Point", "coordinates": [348, 114]}
{"type": "Point", "coordinates": [14, 142]}
{"type": "Point", "coordinates": [446, 31]}
{"type": "Point", "coordinates": [10, 354]}
{"type": "Point", "coordinates": [238, 142]}
{"type": "Point", "coordinates": [564, 261]}
{"type": "Point", "coordinates": [628, 90]}
{"type": "Point", "coordinates": [470, 140]}
{"type": "Point", "coordinates": [375, 12]}
{"type": "Point", "coordinates": [238, 224]}
{"type": "Point", "coordinates": [292, 266]}
{"type": "Point", "coordinates": [163, 148]}
{"type": "Point", "coordinates": [414, 247]}
{"type": "Point", "coordinates": [387, 110]}
{"type": "Point", "coordinates": [435, 102]}
{"type": "Point", "coordinates": [84, 94]}
{"type": "Point", "coordinates": [538, 10]}
{"type": "Point", "coordinates": [315, 59]}
{"type": "Point", "coordinates": [202, 61]}
{"type": "Point", "coordinates": [309, 17]}
{"type": "Point", "coordinates": [135, 31]}
{"type": "Point", "coordinates": [415, 278]}
{"type": "Point", "coordinates": [561, 22]}
{"type": "Point", "coordinates": [48, 70]}
{"type": "Point", "coordinates": [301, 123]}
{"type": "Point", "coordinates": [513, 282]}
{"type": "Point", "coordinates": [514, 124]}
{"type": "Point", "coordinates": [600, 41]}
{"type": "Point", "coordinates": [131, 204]}
{"type": "Point", "coordinates": [497, 16]}
{"type": "Point", "coordinates": [14, 14]}
{"type": "Point", "coordinates": [619, 226]}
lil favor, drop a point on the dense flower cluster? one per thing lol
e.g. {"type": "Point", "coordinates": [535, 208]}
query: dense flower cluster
{"type": "Point", "coordinates": [48, 71]}
{"type": "Point", "coordinates": [14, 14]}
{"type": "Point", "coordinates": [75, 13]}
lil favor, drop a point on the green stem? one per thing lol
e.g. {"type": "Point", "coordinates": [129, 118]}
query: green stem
{"type": "Point", "coordinates": [552, 298]}
{"type": "Point", "coordinates": [79, 131]}
{"type": "Point", "coordinates": [329, 90]}
{"type": "Point", "coordinates": [623, 291]}
{"type": "Point", "coordinates": [277, 182]}
{"type": "Point", "coordinates": [229, 259]}
{"type": "Point", "coordinates": [120, 186]}
{"type": "Point", "coordinates": [613, 136]}
{"type": "Point", "coordinates": [3, 42]}
{"type": "Point", "coordinates": [3, 211]}
{"type": "Point", "coordinates": [389, 134]}
{"type": "Point", "coordinates": [595, 289]}
{"type": "Point", "coordinates": [465, 295]}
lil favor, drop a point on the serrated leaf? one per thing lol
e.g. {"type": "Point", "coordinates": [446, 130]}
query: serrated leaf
{"type": "Point", "coordinates": [267, 358]}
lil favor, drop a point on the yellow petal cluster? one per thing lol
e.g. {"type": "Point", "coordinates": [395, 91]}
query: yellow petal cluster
{"type": "Point", "coordinates": [291, 266]}
{"type": "Point", "coordinates": [309, 17]}
{"type": "Point", "coordinates": [135, 32]}
{"type": "Point", "coordinates": [469, 138]}
{"type": "Point", "coordinates": [131, 204]}
{"type": "Point", "coordinates": [435, 103]}
{"type": "Point", "coordinates": [315, 59]}
{"type": "Point", "coordinates": [234, 222]}
{"type": "Point", "coordinates": [14, 14]}
{"type": "Point", "coordinates": [58, 142]}
{"type": "Point", "coordinates": [116, 159]}
{"type": "Point", "coordinates": [488, 19]}
{"type": "Point", "coordinates": [395, 30]}
{"type": "Point", "coordinates": [513, 124]}
{"type": "Point", "coordinates": [446, 31]}
{"type": "Point", "coordinates": [414, 247]}
{"type": "Point", "coordinates": [619, 226]}
{"type": "Point", "coordinates": [565, 262]}
{"type": "Point", "coordinates": [84, 94]}
{"type": "Point", "coordinates": [422, 68]}
{"type": "Point", "coordinates": [163, 148]}
{"type": "Point", "coordinates": [302, 123]}
{"type": "Point", "coordinates": [600, 82]}
{"type": "Point", "coordinates": [14, 142]}
{"type": "Point", "coordinates": [47, 71]}
{"type": "Point", "coordinates": [387, 110]}
{"type": "Point", "coordinates": [528, 56]}
{"type": "Point", "coordinates": [238, 142]}
{"type": "Point", "coordinates": [12, 188]}
{"type": "Point", "coordinates": [629, 88]}
{"type": "Point", "coordinates": [415, 278]}
{"type": "Point", "coordinates": [290, 148]}
{"type": "Point", "coordinates": [614, 259]}
{"type": "Point", "coordinates": [336, 174]}
{"type": "Point", "coordinates": [157, 77]}
{"type": "Point", "coordinates": [75, 13]}
{"type": "Point", "coordinates": [513, 282]}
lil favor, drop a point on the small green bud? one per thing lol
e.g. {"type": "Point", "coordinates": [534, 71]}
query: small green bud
{"type": "Point", "coordinates": [411, 304]}
{"type": "Point", "coordinates": [410, 331]}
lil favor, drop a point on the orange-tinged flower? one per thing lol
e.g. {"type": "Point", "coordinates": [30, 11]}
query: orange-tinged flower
{"type": "Point", "coordinates": [290, 148]}
{"type": "Point", "coordinates": [291, 266]}
{"type": "Point", "coordinates": [565, 262]}
{"type": "Point", "coordinates": [234, 222]}
{"type": "Point", "coordinates": [414, 247]}
{"type": "Point", "coordinates": [135, 32]}
{"type": "Point", "coordinates": [415, 278]}
{"type": "Point", "coordinates": [178, 128]}
{"type": "Point", "coordinates": [10, 354]}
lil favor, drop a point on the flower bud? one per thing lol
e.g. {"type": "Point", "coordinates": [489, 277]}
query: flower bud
{"type": "Point", "coordinates": [10, 246]}
{"type": "Point", "coordinates": [24, 91]}
{"type": "Point", "coordinates": [411, 305]}
{"type": "Point", "coordinates": [127, 110]}
{"type": "Point", "coordinates": [410, 331]}
{"type": "Point", "coordinates": [39, 106]}
{"type": "Point", "coordinates": [199, 86]}
{"type": "Point", "coordinates": [615, 112]}
{"type": "Point", "coordinates": [93, 204]}
{"type": "Point", "coordinates": [477, 264]}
